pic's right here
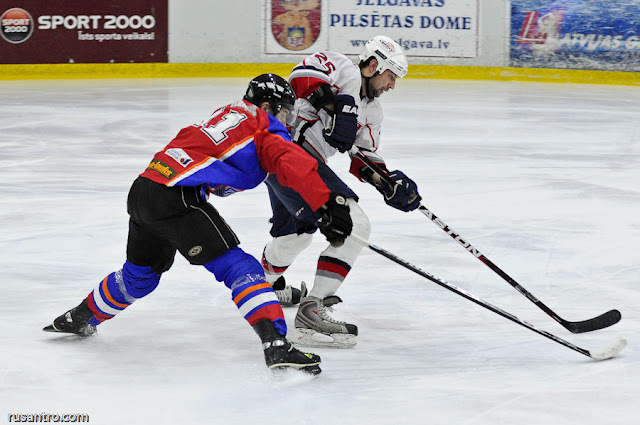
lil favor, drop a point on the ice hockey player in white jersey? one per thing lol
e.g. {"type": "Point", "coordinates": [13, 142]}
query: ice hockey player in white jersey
{"type": "Point", "coordinates": [337, 108]}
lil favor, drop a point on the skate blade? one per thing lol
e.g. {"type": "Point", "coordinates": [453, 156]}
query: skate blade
{"type": "Point", "coordinates": [50, 328]}
{"type": "Point", "coordinates": [313, 369]}
{"type": "Point", "coordinates": [311, 338]}
{"type": "Point", "coordinates": [84, 332]}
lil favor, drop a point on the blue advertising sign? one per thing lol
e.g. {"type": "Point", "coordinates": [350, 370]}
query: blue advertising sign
{"type": "Point", "coordinates": [576, 34]}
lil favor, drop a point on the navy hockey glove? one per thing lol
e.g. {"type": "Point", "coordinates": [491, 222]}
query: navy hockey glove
{"type": "Point", "coordinates": [335, 223]}
{"type": "Point", "coordinates": [342, 132]}
{"type": "Point", "coordinates": [402, 195]}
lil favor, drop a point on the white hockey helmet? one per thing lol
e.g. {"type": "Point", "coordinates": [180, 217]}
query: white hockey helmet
{"type": "Point", "coordinates": [388, 53]}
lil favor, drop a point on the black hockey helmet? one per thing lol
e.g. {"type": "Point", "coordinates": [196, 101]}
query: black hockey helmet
{"type": "Point", "coordinates": [273, 89]}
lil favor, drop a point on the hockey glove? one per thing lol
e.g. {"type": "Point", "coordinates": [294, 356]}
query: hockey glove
{"type": "Point", "coordinates": [341, 134]}
{"type": "Point", "coordinates": [402, 195]}
{"type": "Point", "coordinates": [335, 223]}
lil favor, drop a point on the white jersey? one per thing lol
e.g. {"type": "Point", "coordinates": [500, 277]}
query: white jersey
{"type": "Point", "coordinates": [343, 76]}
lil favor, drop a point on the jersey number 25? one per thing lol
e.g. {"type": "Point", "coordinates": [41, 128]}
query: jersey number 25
{"type": "Point", "coordinates": [322, 58]}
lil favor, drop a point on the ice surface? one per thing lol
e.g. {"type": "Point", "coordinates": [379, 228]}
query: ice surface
{"type": "Point", "coordinates": [542, 179]}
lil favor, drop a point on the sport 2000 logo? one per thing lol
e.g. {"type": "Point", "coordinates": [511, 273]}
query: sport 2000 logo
{"type": "Point", "coordinates": [16, 25]}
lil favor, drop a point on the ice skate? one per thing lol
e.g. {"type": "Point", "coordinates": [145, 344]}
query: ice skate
{"type": "Point", "coordinates": [74, 321]}
{"type": "Point", "coordinates": [315, 328]}
{"type": "Point", "coordinates": [280, 354]}
{"type": "Point", "coordinates": [287, 294]}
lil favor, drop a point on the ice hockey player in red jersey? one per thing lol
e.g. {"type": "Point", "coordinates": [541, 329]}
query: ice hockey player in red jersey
{"type": "Point", "coordinates": [337, 108]}
{"type": "Point", "coordinates": [235, 149]}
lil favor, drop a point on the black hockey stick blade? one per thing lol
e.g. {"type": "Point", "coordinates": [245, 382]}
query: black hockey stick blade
{"type": "Point", "coordinates": [608, 351]}
{"type": "Point", "coordinates": [604, 320]}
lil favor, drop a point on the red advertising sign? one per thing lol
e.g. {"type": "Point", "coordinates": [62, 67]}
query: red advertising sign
{"type": "Point", "coordinates": [78, 31]}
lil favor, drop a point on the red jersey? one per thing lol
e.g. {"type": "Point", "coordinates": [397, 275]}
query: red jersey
{"type": "Point", "coordinates": [237, 147]}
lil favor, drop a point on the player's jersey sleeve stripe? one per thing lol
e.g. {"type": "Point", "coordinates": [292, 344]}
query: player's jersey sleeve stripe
{"type": "Point", "coordinates": [305, 80]}
{"type": "Point", "coordinates": [309, 72]}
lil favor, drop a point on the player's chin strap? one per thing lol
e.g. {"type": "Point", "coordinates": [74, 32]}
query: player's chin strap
{"type": "Point", "coordinates": [605, 320]}
{"type": "Point", "coordinates": [366, 85]}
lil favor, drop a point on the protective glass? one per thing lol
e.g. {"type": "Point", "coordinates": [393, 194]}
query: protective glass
{"type": "Point", "coordinates": [292, 115]}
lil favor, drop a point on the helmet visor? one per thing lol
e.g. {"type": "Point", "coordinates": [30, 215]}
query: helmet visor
{"type": "Point", "coordinates": [292, 114]}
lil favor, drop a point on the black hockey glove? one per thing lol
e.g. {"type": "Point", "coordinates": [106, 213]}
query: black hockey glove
{"type": "Point", "coordinates": [342, 132]}
{"type": "Point", "coordinates": [335, 223]}
{"type": "Point", "coordinates": [402, 195]}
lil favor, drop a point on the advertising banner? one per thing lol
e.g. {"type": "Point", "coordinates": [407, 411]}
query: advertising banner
{"type": "Point", "coordinates": [78, 31]}
{"type": "Point", "coordinates": [424, 28]}
{"type": "Point", "coordinates": [577, 34]}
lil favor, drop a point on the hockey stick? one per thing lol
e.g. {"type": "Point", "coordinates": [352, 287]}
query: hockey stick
{"type": "Point", "coordinates": [606, 352]}
{"type": "Point", "coordinates": [605, 320]}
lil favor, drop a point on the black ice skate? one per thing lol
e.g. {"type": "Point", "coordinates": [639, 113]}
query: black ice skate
{"type": "Point", "coordinates": [280, 354]}
{"type": "Point", "coordinates": [74, 321]}
{"type": "Point", "coordinates": [287, 294]}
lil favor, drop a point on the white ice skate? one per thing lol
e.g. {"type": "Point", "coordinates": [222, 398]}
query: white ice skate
{"type": "Point", "coordinates": [315, 328]}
